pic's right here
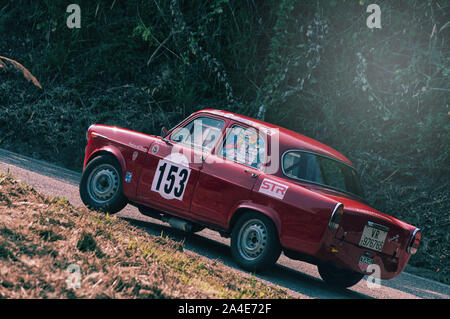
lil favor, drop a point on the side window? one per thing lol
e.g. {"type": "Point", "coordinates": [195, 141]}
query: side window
{"type": "Point", "coordinates": [202, 133]}
{"type": "Point", "coordinates": [335, 177]}
{"type": "Point", "coordinates": [322, 170]}
{"type": "Point", "coordinates": [302, 166]}
{"type": "Point", "coordinates": [244, 146]}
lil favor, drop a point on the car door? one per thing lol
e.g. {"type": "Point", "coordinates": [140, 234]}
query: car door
{"type": "Point", "coordinates": [172, 166]}
{"type": "Point", "coordinates": [229, 174]}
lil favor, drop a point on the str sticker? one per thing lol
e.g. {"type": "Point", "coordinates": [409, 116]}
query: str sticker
{"type": "Point", "coordinates": [171, 176]}
{"type": "Point", "coordinates": [272, 188]}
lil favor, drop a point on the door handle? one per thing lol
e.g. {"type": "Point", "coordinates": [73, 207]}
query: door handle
{"type": "Point", "coordinates": [252, 174]}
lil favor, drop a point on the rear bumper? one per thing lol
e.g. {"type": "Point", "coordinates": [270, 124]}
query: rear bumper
{"type": "Point", "coordinates": [347, 255]}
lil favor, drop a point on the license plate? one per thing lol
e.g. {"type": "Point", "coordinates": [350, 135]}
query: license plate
{"type": "Point", "coordinates": [373, 238]}
{"type": "Point", "coordinates": [364, 262]}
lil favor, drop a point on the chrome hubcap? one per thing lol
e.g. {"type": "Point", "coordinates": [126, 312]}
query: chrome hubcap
{"type": "Point", "coordinates": [252, 239]}
{"type": "Point", "coordinates": [103, 183]}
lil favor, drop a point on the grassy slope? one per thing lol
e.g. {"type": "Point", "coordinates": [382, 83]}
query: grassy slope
{"type": "Point", "coordinates": [40, 237]}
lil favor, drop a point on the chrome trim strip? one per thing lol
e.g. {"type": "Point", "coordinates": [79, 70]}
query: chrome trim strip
{"type": "Point", "coordinates": [332, 225]}
{"type": "Point", "coordinates": [95, 135]}
{"type": "Point", "coordinates": [410, 242]}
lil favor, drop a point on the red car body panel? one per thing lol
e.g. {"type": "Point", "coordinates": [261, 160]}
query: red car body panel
{"type": "Point", "coordinates": [215, 193]}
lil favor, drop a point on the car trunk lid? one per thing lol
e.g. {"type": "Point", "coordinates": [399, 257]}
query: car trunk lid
{"type": "Point", "coordinates": [366, 227]}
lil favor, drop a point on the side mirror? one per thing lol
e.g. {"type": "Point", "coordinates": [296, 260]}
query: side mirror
{"type": "Point", "coordinates": [163, 132]}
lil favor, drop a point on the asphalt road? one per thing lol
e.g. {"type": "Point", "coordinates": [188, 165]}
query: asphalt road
{"type": "Point", "coordinates": [299, 278]}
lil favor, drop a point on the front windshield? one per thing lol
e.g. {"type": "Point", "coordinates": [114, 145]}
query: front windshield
{"type": "Point", "coordinates": [201, 133]}
{"type": "Point", "coordinates": [321, 170]}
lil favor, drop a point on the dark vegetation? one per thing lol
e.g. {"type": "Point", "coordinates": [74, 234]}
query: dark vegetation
{"type": "Point", "coordinates": [379, 96]}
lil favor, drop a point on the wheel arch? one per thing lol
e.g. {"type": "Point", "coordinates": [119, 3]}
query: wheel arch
{"type": "Point", "coordinates": [109, 151]}
{"type": "Point", "coordinates": [242, 208]}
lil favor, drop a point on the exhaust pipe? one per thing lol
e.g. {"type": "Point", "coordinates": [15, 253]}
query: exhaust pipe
{"type": "Point", "coordinates": [178, 223]}
{"type": "Point", "coordinates": [175, 222]}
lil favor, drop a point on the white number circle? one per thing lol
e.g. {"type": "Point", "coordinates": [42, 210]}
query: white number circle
{"type": "Point", "coordinates": [171, 176]}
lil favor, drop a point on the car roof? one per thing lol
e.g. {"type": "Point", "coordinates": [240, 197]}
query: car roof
{"type": "Point", "coordinates": [288, 139]}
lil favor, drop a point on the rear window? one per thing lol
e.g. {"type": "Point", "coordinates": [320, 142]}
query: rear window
{"type": "Point", "coordinates": [322, 170]}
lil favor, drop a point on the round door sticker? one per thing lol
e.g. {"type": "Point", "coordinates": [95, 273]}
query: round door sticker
{"type": "Point", "coordinates": [171, 176]}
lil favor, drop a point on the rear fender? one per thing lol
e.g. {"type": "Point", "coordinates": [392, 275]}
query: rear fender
{"type": "Point", "coordinates": [242, 207]}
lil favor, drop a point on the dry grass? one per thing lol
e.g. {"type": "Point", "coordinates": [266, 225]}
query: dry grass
{"type": "Point", "coordinates": [7, 64]}
{"type": "Point", "coordinates": [40, 237]}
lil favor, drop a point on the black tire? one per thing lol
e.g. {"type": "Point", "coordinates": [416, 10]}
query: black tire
{"type": "Point", "coordinates": [255, 244]}
{"type": "Point", "coordinates": [338, 277]}
{"type": "Point", "coordinates": [101, 185]}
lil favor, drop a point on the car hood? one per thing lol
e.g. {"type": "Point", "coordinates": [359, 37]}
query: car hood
{"type": "Point", "coordinates": [123, 136]}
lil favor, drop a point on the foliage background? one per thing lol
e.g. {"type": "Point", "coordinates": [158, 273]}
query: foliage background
{"type": "Point", "coordinates": [380, 96]}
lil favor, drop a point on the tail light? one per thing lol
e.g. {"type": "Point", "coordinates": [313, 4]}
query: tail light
{"type": "Point", "coordinates": [336, 216]}
{"type": "Point", "coordinates": [413, 244]}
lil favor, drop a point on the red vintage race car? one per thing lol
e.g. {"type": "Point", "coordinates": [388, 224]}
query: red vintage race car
{"type": "Point", "coordinates": [270, 189]}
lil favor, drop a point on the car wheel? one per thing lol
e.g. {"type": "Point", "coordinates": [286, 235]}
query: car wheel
{"type": "Point", "coordinates": [101, 185]}
{"type": "Point", "coordinates": [338, 277]}
{"type": "Point", "coordinates": [254, 242]}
